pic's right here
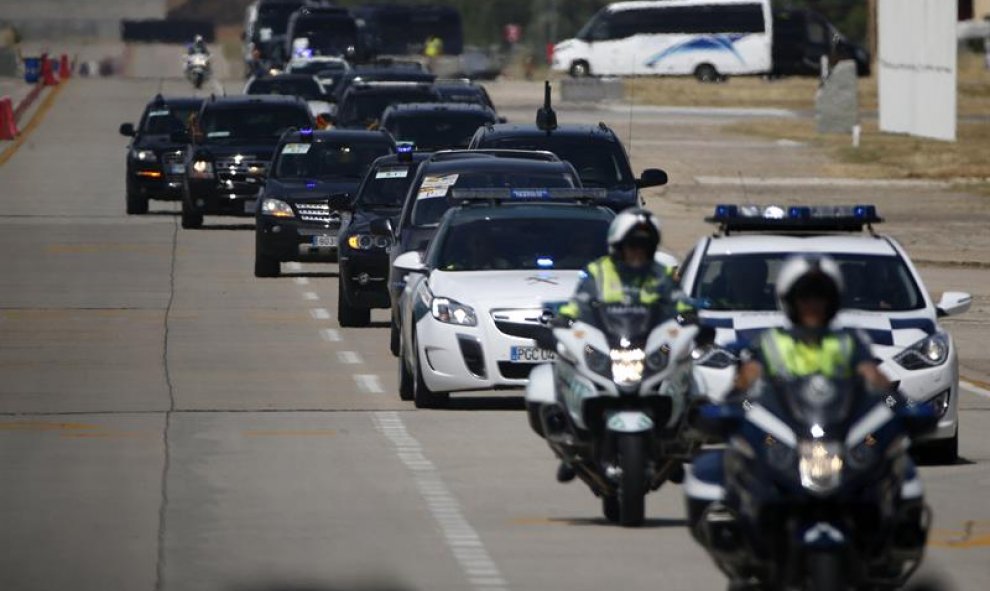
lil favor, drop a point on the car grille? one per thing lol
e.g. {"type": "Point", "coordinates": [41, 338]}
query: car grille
{"type": "Point", "coordinates": [318, 212]}
{"type": "Point", "coordinates": [232, 169]}
{"type": "Point", "coordinates": [170, 159]}
{"type": "Point", "coordinates": [524, 323]}
{"type": "Point", "coordinates": [511, 370]}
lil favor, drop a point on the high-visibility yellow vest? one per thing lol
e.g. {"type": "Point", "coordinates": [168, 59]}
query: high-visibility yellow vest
{"type": "Point", "coordinates": [610, 287]}
{"type": "Point", "coordinates": [788, 357]}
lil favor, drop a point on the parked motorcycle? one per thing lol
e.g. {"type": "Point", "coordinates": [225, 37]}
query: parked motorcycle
{"type": "Point", "coordinates": [814, 490]}
{"type": "Point", "coordinates": [612, 404]}
{"type": "Point", "coordinates": [198, 70]}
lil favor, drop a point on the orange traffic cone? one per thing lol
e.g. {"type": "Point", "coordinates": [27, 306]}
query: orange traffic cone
{"type": "Point", "coordinates": [64, 70]}
{"type": "Point", "coordinates": [47, 74]}
{"type": "Point", "coordinates": [8, 126]}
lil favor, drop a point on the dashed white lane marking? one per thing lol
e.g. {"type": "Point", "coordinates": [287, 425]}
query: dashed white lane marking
{"type": "Point", "coordinates": [294, 266]}
{"type": "Point", "coordinates": [974, 388]}
{"type": "Point", "coordinates": [462, 539]}
{"type": "Point", "coordinates": [369, 383]}
{"type": "Point", "coordinates": [320, 313]}
{"type": "Point", "coordinates": [310, 295]}
{"type": "Point", "coordinates": [349, 357]}
{"type": "Point", "coordinates": [330, 335]}
{"type": "Point", "coordinates": [300, 281]}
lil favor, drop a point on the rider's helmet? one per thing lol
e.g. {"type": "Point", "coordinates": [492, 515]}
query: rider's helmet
{"type": "Point", "coordinates": [198, 40]}
{"type": "Point", "coordinates": [806, 277]}
{"type": "Point", "coordinates": [634, 225]}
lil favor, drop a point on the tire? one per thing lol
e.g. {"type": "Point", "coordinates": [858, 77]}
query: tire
{"type": "Point", "coordinates": [943, 451]}
{"type": "Point", "coordinates": [191, 220]}
{"type": "Point", "coordinates": [393, 343]}
{"type": "Point", "coordinates": [422, 395]}
{"type": "Point", "coordinates": [348, 315]}
{"type": "Point", "coordinates": [533, 414]}
{"type": "Point", "coordinates": [580, 69]}
{"type": "Point", "coordinates": [610, 508]}
{"type": "Point", "coordinates": [707, 73]}
{"type": "Point", "coordinates": [406, 388]}
{"type": "Point", "coordinates": [136, 204]}
{"type": "Point", "coordinates": [825, 572]}
{"type": "Point", "coordinates": [266, 266]}
{"type": "Point", "coordinates": [632, 483]}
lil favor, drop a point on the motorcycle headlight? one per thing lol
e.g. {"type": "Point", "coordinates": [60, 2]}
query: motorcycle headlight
{"type": "Point", "coordinates": [143, 155]}
{"type": "Point", "coordinates": [201, 169]}
{"type": "Point", "coordinates": [930, 351]}
{"type": "Point", "coordinates": [367, 242]}
{"type": "Point", "coordinates": [597, 361]}
{"type": "Point", "coordinates": [714, 357]}
{"type": "Point", "coordinates": [627, 365]}
{"type": "Point", "coordinates": [277, 208]}
{"type": "Point", "coordinates": [451, 312]}
{"type": "Point", "coordinates": [820, 465]}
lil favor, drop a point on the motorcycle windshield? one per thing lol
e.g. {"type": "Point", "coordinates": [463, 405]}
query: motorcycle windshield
{"type": "Point", "coordinates": [819, 406]}
{"type": "Point", "coordinates": [627, 326]}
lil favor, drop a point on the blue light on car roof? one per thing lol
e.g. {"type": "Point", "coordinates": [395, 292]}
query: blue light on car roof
{"type": "Point", "coordinates": [405, 147]}
{"type": "Point", "coordinates": [310, 184]}
{"type": "Point", "coordinates": [865, 211]}
{"type": "Point", "coordinates": [306, 131]}
{"type": "Point", "coordinates": [530, 194]}
{"type": "Point", "coordinates": [544, 262]}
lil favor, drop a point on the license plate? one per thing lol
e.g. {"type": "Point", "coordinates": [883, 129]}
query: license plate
{"type": "Point", "coordinates": [325, 241]}
{"type": "Point", "coordinates": [249, 206]}
{"type": "Point", "coordinates": [531, 354]}
{"type": "Point", "coordinates": [178, 169]}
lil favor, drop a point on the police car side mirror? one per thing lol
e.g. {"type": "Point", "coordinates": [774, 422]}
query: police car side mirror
{"type": "Point", "coordinates": [127, 129]}
{"type": "Point", "coordinates": [652, 177]}
{"type": "Point", "coordinates": [503, 119]}
{"type": "Point", "coordinates": [410, 262]}
{"type": "Point", "coordinates": [382, 227]}
{"type": "Point", "coordinates": [953, 303]}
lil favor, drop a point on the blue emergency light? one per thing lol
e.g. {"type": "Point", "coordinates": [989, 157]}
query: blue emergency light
{"type": "Point", "coordinates": [795, 218]}
{"type": "Point", "coordinates": [405, 147]}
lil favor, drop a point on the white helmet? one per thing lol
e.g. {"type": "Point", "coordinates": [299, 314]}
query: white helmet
{"type": "Point", "coordinates": [809, 275]}
{"type": "Point", "coordinates": [198, 39]}
{"type": "Point", "coordinates": [634, 223]}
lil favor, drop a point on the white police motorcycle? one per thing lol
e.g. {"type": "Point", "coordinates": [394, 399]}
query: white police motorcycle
{"type": "Point", "coordinates": [198, 70]}
{"type": "Point", "coordinates": [612, 405]}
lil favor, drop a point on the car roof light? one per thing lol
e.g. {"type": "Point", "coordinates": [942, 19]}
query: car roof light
{"type": "Point", "coordinates": [795, 218]}
{"type": "Point", "coordinates": [500, 195]}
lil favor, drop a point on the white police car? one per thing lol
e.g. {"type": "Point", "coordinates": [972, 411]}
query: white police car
{"type": "Point", "coordinates": [472, 305]}
{"type": "Point", "coordinates": [731, 275]}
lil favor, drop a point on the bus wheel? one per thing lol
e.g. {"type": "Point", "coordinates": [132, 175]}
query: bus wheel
{"type": "Point", "coordinates": [707, 73]}
{"type": "Point", "coordinates": [580, 69]}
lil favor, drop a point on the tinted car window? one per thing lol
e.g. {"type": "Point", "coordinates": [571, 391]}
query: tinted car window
{"type": "Point", "coordinates": [430, 131]}
{"type": "Point", "coordinates": [265, 122]}
{"type": "Point", "coordinates": [602, 164]}
{"type": "Point", "coordinates": [748, 282]}
{"type": "Point", "coordinates": [327, 159]}
{"type": "Point", "coordinates": [387, 186]}
{"type": "Point", "coordinates": [368, 107]}
{"type": "Point", "coordinates": [165, 120]}
{"type": "Point", "coordinates": [515, 244]}
{"type": "Point", "coordinates": [306, 88]}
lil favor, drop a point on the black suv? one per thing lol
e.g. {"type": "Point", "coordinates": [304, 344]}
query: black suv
{"type": "Point", "coordinates": [154, 160]}
{"type": "Point", "coordinates": [312, 182]}
{"type": "Point", "coordinates": [462, 90]}
{"type": "Point", "coordinates": [436, 126]}
{"type": "Point", "coordinates": [367, 240]}
{"type": "Point", "coordinates": [363, 104]}
{"type": "Point", "coordinates": [595, 151]}
{"type": "Point", "coordinates": [231, 147]}
{"type": "Point", "coordinates": [429, 199]}
{"type": "Point", "coordinates": [380, 73]}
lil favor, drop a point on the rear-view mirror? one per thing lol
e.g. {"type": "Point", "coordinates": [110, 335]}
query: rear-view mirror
{"type": "Point", "coordinates": [127, 129]}
{"type": "Point", "coordinates": [954, 302]}
{"type": "Point", "coordinates": [652, 177]}
{"type": "Point", "coordinates": [410, 262]}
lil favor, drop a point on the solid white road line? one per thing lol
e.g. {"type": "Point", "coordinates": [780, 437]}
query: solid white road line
{"type": "Point", "coordinates": [971, 387]}
{"type": "Point", "coordinates": [310, 295]}
{"type": "Point", "coordinates": [300, 281]}
{"type": "Point", "coordinates": [734, 181]}
{"type": "Point", "coordinates": [330, 335]}
{"type": "Point", "coordinates": [349, 357]}
{"type": "Point", "coordinates": [369, 383]}
{"type": "Point", "coordinates": [462, 540]}
{"type": "Point", "coordinates": [320, 313]}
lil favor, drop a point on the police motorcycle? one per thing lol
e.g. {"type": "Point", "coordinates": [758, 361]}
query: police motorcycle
{"type": "Point", "coordinates": [198, 70]}
{"type": "Point", "coordinates": [612, 405]}
{"type": "Point", "coordinates": [814, 489]}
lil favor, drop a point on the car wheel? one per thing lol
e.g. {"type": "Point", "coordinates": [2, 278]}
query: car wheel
{"type": "Point", "coordinates": [610, 508]}
{"type": "Point", "coordinates": [394, 337]}
{"type": "Point", "coordinates": [580, 69]}
{"type": "Point", "coordinates": [707, 73]}
{"type": "Point", "coordinates": [136, 204]}
{"type": "Point", "coordinates": [348, 315]}
{"type": "Point", "coordinates": [191, 220]}
{"type": "Point", "coordinates": [943, 451]}
{"type": "Point", "coordinates": [266, 266]}
{"type": "Point", "coordinates": [406, 389]}
{"type": "Point", "coordinates": [422, 395]}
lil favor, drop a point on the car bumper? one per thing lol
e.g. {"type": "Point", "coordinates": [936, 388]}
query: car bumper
{"type": "Point", "coordinates": [364, 278]}
{"type": "Point", "coordinates": [145, 183]}
{"type": "Point", "coordinates": [291, 240]}
{"type": "Point", "coordinates": [460, 358]}
{"type": "Point", "coordinates": [235, 199]}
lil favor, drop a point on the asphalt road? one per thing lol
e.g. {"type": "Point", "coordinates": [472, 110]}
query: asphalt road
{"type": "Point", "coordinates": [167, 421]}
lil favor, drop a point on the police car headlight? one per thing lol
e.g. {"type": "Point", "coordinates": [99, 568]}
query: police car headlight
{"type": "Point", "coordinates": [277, 208]}
{"type": "Point", "coordinates": [451, 312]}
{"type": "Point", "coordinates": [713, 357]}
{"type": "Point", "coordinates": [820, 465]}
{"type": "Point", "coordinates": [931, 351]}
{"type": "Point", "coordinates": [143, 155]}
{"type": "Point", "coordinates": [201, 169]}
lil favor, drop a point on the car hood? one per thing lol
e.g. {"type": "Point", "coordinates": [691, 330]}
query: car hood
{"type": "Point", "coordinates": [362, 218]}
{"type": "Point", "coordinates": [311, 189]}
{"type": "Point", "coordinates": [890, 332]}
{"type": "Point", "coordinates": [254, 151]}
{"type": "Point", "coordinates": [488, 290]}
{"type": "Point", "coordinates": [158, 143]}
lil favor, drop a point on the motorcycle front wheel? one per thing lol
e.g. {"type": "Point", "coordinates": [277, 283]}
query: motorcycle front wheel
{"type": "Point", "coordinates": [632, 483]}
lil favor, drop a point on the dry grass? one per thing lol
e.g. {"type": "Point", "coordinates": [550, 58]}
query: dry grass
{"type": "Point", "coordinates": [794, 93]}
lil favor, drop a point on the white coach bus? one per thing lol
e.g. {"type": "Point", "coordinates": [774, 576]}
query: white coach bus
{"type": "Point", "coordinates": [704, 38]}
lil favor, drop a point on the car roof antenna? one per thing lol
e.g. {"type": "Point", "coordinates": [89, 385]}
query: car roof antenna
{"type": "Point", "coordinates": [546, 117]}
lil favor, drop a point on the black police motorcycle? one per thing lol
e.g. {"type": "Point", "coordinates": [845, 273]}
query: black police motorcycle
{"type": "Point", "coordinates": [815, 489]}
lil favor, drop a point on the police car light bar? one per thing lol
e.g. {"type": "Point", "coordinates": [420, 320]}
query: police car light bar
{"type": "Point", "coordinates": [796, 218]}
{"type": "Point", "coordinates": [505, 194]}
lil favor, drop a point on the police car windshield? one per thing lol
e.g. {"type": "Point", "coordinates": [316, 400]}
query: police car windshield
{"type": "Point", "coordinates": [439, 130]}
{"type": "Point", "coordinates": [873, 283]}
{"type": "Point", "coordinates": [599, 164]}
{"type": "Point", "coordinates": [432, 196]}
{"type": "Point", "coordinates": [306, 88]}
{"type": "Point", "coordinates": [387, 186]}
{"type": "Point", "coordinates": [322, 160]}
{"type": "Point", "coordinates": [502, 244]}
{"type": "Point", "coordinates": [167, 119]}
{"type": "Point", "coordinates": [255, 122]}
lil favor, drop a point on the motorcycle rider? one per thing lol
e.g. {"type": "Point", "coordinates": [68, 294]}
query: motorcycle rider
{"type": "Point", "coordinates": [198, 46]}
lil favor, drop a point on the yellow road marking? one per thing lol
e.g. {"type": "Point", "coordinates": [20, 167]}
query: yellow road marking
{"type": "Point", "coordinates": [974, 534]}
{"type": "Point", "coordinates": [36, 120]}
{"type": "Point", "coordinates": [292, 433]}
{"type": "Point", "coordinates": [97, 248]}
{"type": "Point", "coordinates": [44, 426]}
